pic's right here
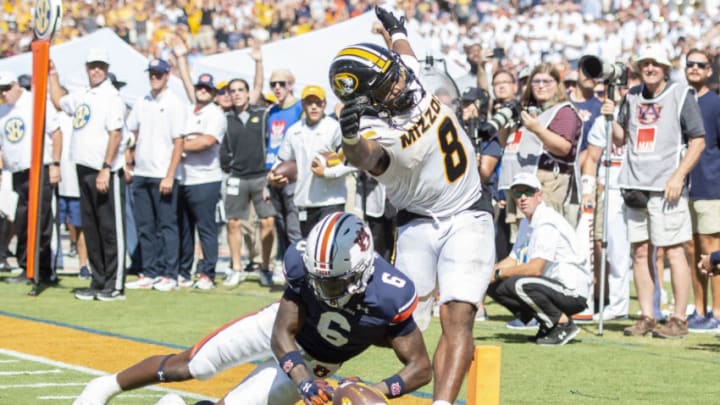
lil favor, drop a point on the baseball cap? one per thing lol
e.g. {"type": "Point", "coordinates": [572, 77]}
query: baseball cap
{"type": "Point", "coordinates": [472, 94]}
{"type": "Point", "coordinates": [115, 82]}
{"type": "Point", "coordinates": [158, 65]}
{"type": "Point", "coordinates": [654, 52]}
{"type": "Point", "coordinates": [97, 55]}
{"type": "Point", "coordinates": [205, 80]}
{"type": "Point", "coordinates": [313, 90]}
{"type": "Point", "coordinates": [526, 179]}
{"type": "Point", "coordinates": [221, 85]}
{"type": "Point", "coordinates": [7, 78]}
{"type": "Point", "coordinates": [270, 98]}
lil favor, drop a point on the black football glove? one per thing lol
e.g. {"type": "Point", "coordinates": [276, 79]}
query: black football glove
{"type": "Point", "coordinates": [391, 23]}
{"type": "Point", "coordinates": [350, 117]}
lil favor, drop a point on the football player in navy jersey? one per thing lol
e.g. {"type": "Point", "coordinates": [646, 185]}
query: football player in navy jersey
{"type": "Point", "coordinates": [341, 298]}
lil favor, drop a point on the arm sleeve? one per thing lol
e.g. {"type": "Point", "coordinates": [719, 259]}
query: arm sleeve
{"type": "Point", "coordinates": [115, 118]}
{"type": "Point", "coordinates": [597, 135]}
{"type": "Point", "coordinates": [567, 124]}
{"type": "Point", "coordinates": [691, 118]}
{"type": "Point", "coordinates": [68, 103]}
{"type": "Point", "coordinates": [132, 123]}
{"type": "Point", "coordinates": [217, 126]}
{"type": "Point", "coordinates": [715, 258]}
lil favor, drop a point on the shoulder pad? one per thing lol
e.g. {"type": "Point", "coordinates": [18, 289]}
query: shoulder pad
{"type": "Point", "coordinates": [391, 292]}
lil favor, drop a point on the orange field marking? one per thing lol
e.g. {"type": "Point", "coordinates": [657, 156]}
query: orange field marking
{"type": "Point", "coordinates": [111, 354]}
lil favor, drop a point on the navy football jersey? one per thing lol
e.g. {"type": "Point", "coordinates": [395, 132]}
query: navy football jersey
{"type": "Point", "coordinates": [334, 335]}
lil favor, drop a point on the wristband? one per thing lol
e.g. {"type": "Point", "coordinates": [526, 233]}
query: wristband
{"type": "Point", "coordinates": [588, 184]}
{"type": "Point", "coordinates": [55, 163]}
{"type": "Point", "coordinates": [351, 140]}
{"type": "Point", "coordinates": [715, 258]}
{"type": "Point", "coordinates": [498, 273]}
{"type": "Point", "coordinates": [291, 360]}
{"type": "Point", "coordinates": [106, 166]}
{"type": "Point", "coordinates": [398, 36]}
{"type": "Point", "coordinates": [396, 386]}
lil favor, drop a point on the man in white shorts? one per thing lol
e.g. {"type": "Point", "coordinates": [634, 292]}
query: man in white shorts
{"type": "Point", "coordinates": [415, 146]}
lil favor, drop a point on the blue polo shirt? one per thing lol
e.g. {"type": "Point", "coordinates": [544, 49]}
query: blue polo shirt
{"type": "Point", "coordinates": [588, 110]}
{"type": "Point", "coordinates": [703, 177]}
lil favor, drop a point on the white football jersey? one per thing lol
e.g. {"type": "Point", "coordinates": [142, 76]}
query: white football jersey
{"type": "Point", "coordinates": [432, 160]}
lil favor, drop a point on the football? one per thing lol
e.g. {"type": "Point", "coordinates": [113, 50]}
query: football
{"type": "Point", "coordinates": [287, 168]}
{"type": "Point", "coordinates": [358, 393]}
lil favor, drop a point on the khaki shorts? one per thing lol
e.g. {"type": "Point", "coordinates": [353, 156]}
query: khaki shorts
{"type": "Point", "coordinates": [705, 215]}
{"type": "Point", "coordinates": [663, 224]}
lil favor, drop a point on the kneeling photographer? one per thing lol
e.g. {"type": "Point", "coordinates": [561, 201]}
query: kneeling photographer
{"type": "Point", "coordinates": [545, 143]}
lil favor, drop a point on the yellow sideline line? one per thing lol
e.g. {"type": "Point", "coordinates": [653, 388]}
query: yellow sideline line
{"type": "Point", "coordinates": [111, 354]}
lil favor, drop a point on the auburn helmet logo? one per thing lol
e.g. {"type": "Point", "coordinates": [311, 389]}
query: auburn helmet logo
{"type": "Point", "coordinates": [345, 83]}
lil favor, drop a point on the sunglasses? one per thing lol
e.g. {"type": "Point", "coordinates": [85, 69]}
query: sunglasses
{"type": "Point", "coordinates": [528, 192]}
{"type": "Point", "coordinates": [310, 101]}
{"type": "Point", "coordinates": [97, 65]}
{"type": "Point", "coordinates": [699, 65]}
{"type": "Point", "coordinates": [156, 75]}
{"type": "Point", "coordinates": [278, 83]}
{"type": "Point", "coordinates": [222, 92]}
{"type": "Point", "coordinates": [600, 92]}
{"type": "Point", "coordinates": [3, 89]}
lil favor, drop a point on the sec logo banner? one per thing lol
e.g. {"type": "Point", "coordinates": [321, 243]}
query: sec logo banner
{"type": "Point", "coordinates": [47, 15]}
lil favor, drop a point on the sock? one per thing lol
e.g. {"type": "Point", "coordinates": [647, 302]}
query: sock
{"type": "Point", "coordinates": [100, 390]}
{"type": "Point", "coordinates": [441, 402]}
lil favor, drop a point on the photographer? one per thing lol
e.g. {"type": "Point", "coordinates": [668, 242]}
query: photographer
{"type": "Point", "coordinates": [654, 121]}
{"type": "Point", "coordinates": [546, 143]}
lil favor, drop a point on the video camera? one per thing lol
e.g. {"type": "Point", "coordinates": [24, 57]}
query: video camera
{"type": "Point", "coordinates": [507, 116]}
{"type": "Point", "coordinates": [611, 73]}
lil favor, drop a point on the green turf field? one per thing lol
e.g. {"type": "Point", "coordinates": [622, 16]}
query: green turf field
{"type": "Point", "coordinates": [589, 370]}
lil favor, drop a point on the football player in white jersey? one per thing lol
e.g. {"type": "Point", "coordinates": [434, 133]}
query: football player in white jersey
{"type": "Point", "coordinates": [415, 147]}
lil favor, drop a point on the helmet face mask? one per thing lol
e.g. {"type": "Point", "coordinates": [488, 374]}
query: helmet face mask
{"type": "Point", "coordinates": [339, 258]}
{"type": "Point", "coordinates": [372, 71]}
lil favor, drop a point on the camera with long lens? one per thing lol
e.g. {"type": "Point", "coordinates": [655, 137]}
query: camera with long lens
{"type": "Point", "coordinates": [481, 100]}
{"type": "Point", "coordinates": [506, 116]}
{"type": "Point", "coordinates": [596, 69]}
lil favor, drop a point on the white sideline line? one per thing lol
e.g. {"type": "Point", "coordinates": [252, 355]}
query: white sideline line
{"type": "Point", "coordinates": [9, 373]}
{"type": "Point", "coordinates": [39, 385]}
{"type": "Point", "coordinates": [55, 397]}
{"type": "Point", "coordinates": [8, 361]}
{"type": "Point", "coordinates": [86, 370]}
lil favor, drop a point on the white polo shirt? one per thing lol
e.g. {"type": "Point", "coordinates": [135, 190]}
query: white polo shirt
{"type": "Point", "coordinates": [68, 186]}
{"type": "Point", "coordinates": [158, 122]}
{"type": "Point", "coordinates": [301, 144]}
{"type": "Point", "coordinates": [16, 126]}
{"type": "Point", "coordinates": [204, 166]}
{"type": "Point", "coordinates": [550, 237]}
{"type": "Point", "coordinates": [95, 112]}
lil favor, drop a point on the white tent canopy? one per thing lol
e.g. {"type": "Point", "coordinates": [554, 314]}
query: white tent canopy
{"type": "Point", "coordinates": [126, 63]}
{"type": "Point", "coordinates": [307, 56]}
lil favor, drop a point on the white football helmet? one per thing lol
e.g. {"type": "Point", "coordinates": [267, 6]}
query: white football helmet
{"type": "Point", "coordinates": [339, 257]}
